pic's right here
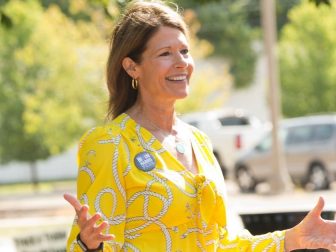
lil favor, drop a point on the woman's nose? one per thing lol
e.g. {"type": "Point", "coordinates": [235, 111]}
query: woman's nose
{"type": "Point", "coordinates": [181, 60]}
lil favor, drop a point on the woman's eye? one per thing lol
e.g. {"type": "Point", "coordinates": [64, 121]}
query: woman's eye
{"type": "Point", "coordinates": [164, 54]}
{"type": "Point", "coordinates": [185, 51]}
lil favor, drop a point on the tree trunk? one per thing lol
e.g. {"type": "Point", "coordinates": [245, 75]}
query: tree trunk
{"type": "Point", "coordinates": [33, 176]}
{"type": "Point", "coordinates": [281, 181]}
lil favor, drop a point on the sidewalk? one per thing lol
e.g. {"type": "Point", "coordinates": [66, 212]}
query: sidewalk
{"type": "Point", "coordinates": [297, 200]}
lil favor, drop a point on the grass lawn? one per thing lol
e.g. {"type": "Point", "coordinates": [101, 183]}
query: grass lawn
{"type": "Point", "coordinates": [42, 187]}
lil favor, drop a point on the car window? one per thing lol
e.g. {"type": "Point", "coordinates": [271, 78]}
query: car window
{"type": "Point", "coordinates": [323, 131]}
{"type": "Point", "coordinates": [233, 121]}
{"type": "Point", "coordinates": [265, 144]}
{"type": "Point", "coordinates": [299, 135]}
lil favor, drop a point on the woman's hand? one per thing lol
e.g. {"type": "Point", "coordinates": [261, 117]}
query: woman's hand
{"type": "Point", "coordinates": [312, 232]}
{"type": "Point", "coordinates": [90, 233]}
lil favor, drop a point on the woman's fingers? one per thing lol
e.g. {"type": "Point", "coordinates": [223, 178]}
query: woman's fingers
{"type": "Point", "coordinates": [106, 237]}
{"type": "Point", "coordinates": [91, 222]}
{"type": "Point", "coordinates": [100, 235]}
{"type": "Point", "coordinates": [317, 210]}
{"type": "Point", "coordinates": [73, 201]}
{"type": "Point", "coordinates": [81, 210]}
{"type": "Point", "coordinates": [93, 234]}
{"type": "Point", "coordinates": [102, 226]}
{"type": "Point", "coordinates": [83, 216]}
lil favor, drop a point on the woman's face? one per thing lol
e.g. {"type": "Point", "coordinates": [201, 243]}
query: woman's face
{"type": "Point", "coordinates": [166, 66]}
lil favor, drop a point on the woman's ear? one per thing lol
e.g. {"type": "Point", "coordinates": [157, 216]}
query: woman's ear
{"type": "Point", "coordinates": [130, 67]}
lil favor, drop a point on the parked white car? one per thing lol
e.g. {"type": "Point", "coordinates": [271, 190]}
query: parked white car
{"type": "Point", "coordinates": [230, 131]}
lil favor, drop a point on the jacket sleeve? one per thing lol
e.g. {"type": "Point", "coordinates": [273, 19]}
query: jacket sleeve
{"type": "Point", "coordinates": [270, 242]}
{"type": "Point", "coordinates": [100, 185]}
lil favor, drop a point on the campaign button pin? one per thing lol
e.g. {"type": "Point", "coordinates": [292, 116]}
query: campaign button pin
{"type": "Point", "coordinates": [144, 161]}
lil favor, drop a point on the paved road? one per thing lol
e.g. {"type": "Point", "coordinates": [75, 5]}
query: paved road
{"type": "Point", "coordinates": [35, 222]}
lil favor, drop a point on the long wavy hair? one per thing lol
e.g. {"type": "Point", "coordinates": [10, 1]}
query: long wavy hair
{"type": "Point", "coordinates": [136, 26]}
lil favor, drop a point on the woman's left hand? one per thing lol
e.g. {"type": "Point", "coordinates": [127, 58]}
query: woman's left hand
{"type": "Point", "coordinates": [312, 232]}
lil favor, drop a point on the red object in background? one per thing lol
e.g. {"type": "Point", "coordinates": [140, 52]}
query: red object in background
{"type": "Point", "coordinates": [238, 142]}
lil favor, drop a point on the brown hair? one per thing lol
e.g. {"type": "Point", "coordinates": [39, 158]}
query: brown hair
{"type": "Point", "coordinates": [139, 23]}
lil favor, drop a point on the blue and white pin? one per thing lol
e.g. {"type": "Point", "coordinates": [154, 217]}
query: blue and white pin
{"type": "Point", "coordinates": [144, 161]}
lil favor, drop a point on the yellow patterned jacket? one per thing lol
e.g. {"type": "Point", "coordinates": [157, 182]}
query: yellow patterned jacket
{"type": "Point", "coordinates": [166, 208]}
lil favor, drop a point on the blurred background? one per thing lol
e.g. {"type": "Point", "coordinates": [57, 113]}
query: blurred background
{"type": "Point", "coordinates": [52, 89]}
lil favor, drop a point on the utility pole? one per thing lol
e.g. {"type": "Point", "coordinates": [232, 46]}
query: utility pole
{"type": "Point", "coordinates": [280, 181]}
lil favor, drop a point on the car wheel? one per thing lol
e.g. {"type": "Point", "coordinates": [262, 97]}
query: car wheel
{"type": "Point", "coordinates": [245, 180]}
{"type": "Point", "coordinates": [317, 178]}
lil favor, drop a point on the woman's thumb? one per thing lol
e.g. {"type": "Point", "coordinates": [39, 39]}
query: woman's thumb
{"type": "Point", "coordinates": [317, 210]}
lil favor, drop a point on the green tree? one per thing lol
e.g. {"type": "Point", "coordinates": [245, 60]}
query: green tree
{"type": "Point", "coordinates": [49, 74]}
{"type": "Point", "coordinates": [307, 60]}
{"type": "Point", "coordinates": [224, 24]}
{"type": "Point", "coordinates": [228, 31]}
{"type": "Point", "coordinates": [231, 30]}
{"type": "Point", "coordinates": [232, 26]}
{"type": "Point", "coordinates": [253, 10]}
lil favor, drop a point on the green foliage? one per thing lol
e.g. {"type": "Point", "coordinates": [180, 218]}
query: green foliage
{"type": "Point", "coordinates": [232, 25]}
{"type": "Point", "coordinates": [232, 40]}
{"type": "Point", "coordinates": [48, 82]}
{"type": "Point", "coordinates": [80, 9]}
{"type": "Point", "coordinates": [5, 20]}
{"type": "Point", "coordinates": [253, 12]}
{"type": "Point", "coordinates": [307, 60]}
{"type": "Point", "coordinates": [231, 36]}
{"type": "Point", "coordinates": [319, 2]}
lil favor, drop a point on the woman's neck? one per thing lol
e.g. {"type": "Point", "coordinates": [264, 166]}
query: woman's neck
{"type": "Point", "coordinates": [154, 118]}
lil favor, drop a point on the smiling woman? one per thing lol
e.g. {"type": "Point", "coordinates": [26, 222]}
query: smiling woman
{"type": "Point", "coordinates": [148, 181]}
{"type": "Point", "coordinates": [167, 53]}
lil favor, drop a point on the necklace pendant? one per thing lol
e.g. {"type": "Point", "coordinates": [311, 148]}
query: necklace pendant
{"type": "Point", "coordinates": [180, 148]}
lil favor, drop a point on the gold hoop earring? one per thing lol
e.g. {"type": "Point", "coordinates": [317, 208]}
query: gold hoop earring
{"type": "Point", "coordinates": [135, 83]}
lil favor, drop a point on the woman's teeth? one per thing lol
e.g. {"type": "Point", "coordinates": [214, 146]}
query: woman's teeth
{"type": "Point", "coordinates": [177, 78]}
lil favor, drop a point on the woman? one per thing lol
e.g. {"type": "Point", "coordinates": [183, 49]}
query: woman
{"type": "Point", "coordinates": [147, 181]}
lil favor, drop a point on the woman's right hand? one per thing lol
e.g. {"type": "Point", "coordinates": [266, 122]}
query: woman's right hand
{"type": "Point", "coordinates": [90, 233]}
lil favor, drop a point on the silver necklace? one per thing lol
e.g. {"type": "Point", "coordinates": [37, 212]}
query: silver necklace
{"type": "Point", "coordinates": [179, 145]}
